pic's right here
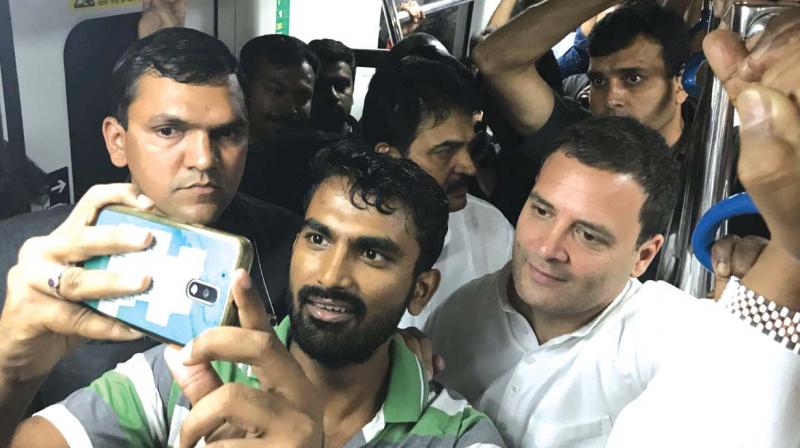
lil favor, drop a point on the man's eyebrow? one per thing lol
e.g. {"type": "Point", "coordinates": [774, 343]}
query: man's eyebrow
{"type": "Point", "coordinates": [168, 120]}
{"type": "Point", "coordinates": [172, 120]}
{"type": "Point", "coordinates": [538, 198]}
{"type": "Point", "coordinates": [597, 228]}
{"type": "Point", "coordinates": [318, 227]}
{"type": "Point", "coordinates": [617, 71]}
{"type": "Point", "coordinates": [448, 144]}
{"type": "Point", "coordinates": [381, 244]}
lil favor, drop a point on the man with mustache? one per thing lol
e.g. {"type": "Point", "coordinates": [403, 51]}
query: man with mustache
{"type": "Point", "coordinates": [636, 54]}
{"type": "Point", "coordinates": [374, 226]}
{"type": "Point", "coordinates": [179, 125]}
{"type": "Point", "coordinates": [422, 109]}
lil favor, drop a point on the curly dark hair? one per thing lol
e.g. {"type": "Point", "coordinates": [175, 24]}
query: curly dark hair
{"type": "Point", "coordinates": [388, 184]}
{"type": "Point", "coordinates": [625, 146]}
{"type": "Point", "coordinates": [646, 17]}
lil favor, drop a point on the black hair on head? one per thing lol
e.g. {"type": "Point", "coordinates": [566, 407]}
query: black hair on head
{"type": "Point", "coordinates": [181, 54]}
{"type": "Point", "coordinates": [331, 51]}
{"type": "Point", "coordinates": [388, 184]}
{"type": "Point", "coordinates": [415, 91]}
{"type": "Point", "coordinates": [648, 18]}
{"type": "Point", "coordinates": [276, 49]}
{"type": "Point", "coordinates": [625, 146]}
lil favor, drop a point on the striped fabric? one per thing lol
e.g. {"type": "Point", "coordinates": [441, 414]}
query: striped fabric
{"type": "Point", "coordinates": [139, 405]}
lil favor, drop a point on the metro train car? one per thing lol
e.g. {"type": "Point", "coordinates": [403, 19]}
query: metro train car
{"type": "Point", "coordinates": [572, 308]}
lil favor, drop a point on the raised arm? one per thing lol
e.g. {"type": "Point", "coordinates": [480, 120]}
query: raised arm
{"type": "Point", "coordinates": [731, 385]}
{"type": "Point", "coordinates": [502, 14]}
{"type": "Point", "coordinates": [42, 321]}
{"type": "Point", "coordinates": [506, 58]}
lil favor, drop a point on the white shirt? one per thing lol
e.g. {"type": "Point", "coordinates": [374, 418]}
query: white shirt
{"type": "Point", "coordinates": [478, 241]}
{"type": "Point", "coordinates": [570, 390]}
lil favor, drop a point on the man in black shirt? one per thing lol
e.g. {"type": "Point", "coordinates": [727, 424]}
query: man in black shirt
{"type": "Point", "coordinates": [333, 91]}
{"type": "Point", "coordinates": [636, 54]}
{"type": "Point", "coordinates": [279, 73]}
{"type": "Point", "coordinates": [180, 127]}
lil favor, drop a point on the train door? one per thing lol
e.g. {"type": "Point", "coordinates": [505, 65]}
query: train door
{"type": "Point", "coordinates": [56, 78]}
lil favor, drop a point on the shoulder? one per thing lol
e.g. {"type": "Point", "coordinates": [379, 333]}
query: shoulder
{"type": "Point", "coordinates": [263, 208]}
{"type": "Point", "coordinates": [485, 210]}
{"type": "Point", "coordinates": [36, 223]}
{"type": "Point", "coordinates": [466, 304]}
{"type": "Point", "coordinates": [566, 112]}
{"type": "Point", "coordinates": [488, 219]}
{"type": "Point", "coordinates": [270, 216]}
{"type": "Point", "coordinates": [455, 418]}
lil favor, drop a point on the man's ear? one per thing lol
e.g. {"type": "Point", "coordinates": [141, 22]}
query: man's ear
{"type": "Point", "coordinates": [114, 135]}
{"type": "Point", "coordinates": [645, 253]}
{"type": "Point", "coordinates": [426, 285]}
{"type": "Point", "coordinates": [677, 87]}
{"type": "Point", "coordinates": [385, 148]}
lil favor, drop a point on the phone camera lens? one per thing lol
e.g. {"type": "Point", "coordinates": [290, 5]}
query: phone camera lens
{"type": "Point", "coordinates": [202, 292]}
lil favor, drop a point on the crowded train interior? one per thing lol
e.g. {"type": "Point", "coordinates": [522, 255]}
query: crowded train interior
{"type": "Point", "coordinates": [400, 223]}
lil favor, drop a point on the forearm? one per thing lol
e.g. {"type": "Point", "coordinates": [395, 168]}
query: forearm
{"type": "Point", "coordinates": [515, 45]}
{"type": "Point", "coordinates": [15, 397]}
{"type": "Point", "coordinates": [502, 14]}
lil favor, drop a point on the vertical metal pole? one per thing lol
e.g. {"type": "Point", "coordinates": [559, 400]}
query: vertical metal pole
{"type": "Point", "coordinates": [392, 22]}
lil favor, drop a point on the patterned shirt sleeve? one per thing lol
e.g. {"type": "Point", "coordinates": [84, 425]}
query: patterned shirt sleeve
{"type": "Point", "coordinates": [126, 406]}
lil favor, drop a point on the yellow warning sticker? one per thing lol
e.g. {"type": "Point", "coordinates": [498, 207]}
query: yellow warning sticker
{"type": "Point", "coordinates": [92, 4]}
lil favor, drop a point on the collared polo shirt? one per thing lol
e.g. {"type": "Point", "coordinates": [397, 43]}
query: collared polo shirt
{"type": "Point", "coordinates": [570, 389]}
{"type": "Point", "coordinates": [138, 404]}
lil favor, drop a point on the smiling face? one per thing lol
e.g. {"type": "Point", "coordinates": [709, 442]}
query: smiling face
{"type": "Point", "coordinates": [185, 145]}
{"type": "Point", "coordinates": [351, 277]}
{"type": "Point", "coordinates": [443, 151]}
{"type": "Point", "coordinates": [575, 244]}
{"type": "Point", "coordinates": [633, 82]}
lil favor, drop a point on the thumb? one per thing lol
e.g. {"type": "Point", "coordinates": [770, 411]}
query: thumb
{"type": "Point", "coordinates": [197, 380]}
{"type": "Point", "coordinates": [725, 54]}
{"type": "Point", "coordinates": [769, 161]}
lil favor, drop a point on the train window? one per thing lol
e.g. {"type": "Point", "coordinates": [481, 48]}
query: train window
{"type": "Point", "coordinates": [447, 20]}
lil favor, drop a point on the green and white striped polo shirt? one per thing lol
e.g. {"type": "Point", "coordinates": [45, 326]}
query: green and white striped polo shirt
{"type": "Point", "coordinates": [139, 405]}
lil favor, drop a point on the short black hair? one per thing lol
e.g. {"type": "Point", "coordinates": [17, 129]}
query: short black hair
{"type": "Point", "coordinates": [181, 54]}
{"type": "Point", "coordinates": [277, 49]}
{"type": "Point", "coordinates": [388, 184]}
{"type": "Point", "coordinates": [419, 44]}
{"type": "Point", "coordinates": [404, 95]}
{"type": "Point", "coordinates": [646, 17]}
{"type": "Point", "coordinates": [625, 146]}
{"type": "Point", "coordinates": [331, 51]}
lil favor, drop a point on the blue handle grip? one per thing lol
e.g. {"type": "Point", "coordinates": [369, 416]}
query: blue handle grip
{"type": "Point", "coordinates": [706, 230]}
{"type": "Point", "coordinates": [690, 72]}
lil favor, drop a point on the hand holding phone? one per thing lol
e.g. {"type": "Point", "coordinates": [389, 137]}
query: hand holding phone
{"type": "Point", "coordinates": [191, 269]}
